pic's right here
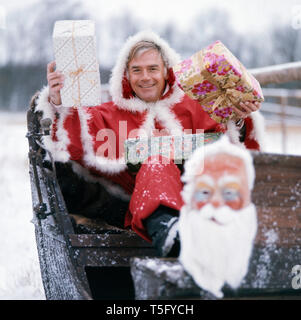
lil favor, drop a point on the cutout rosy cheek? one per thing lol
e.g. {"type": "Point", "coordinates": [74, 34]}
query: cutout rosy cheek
{"type": "Point", "coordinates": [236, 204]}
{"type": "Point", "coordinates": [200, 205]}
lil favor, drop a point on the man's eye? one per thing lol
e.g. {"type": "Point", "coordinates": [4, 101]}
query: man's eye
{"type": "Point", "coordinates": [202, 195]}
{"type": "Point", "coordinates": [230, 194]}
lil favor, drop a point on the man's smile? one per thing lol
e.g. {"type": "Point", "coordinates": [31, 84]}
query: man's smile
{"type": "Point", "coordinates": [146, 86]}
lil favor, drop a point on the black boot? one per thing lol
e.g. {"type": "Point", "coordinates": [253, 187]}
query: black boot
{"type": "Point", "coordinates": [162, 227]}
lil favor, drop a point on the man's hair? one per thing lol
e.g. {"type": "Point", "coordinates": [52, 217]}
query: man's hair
{"type": "Point", "coordinates": [145, 46]}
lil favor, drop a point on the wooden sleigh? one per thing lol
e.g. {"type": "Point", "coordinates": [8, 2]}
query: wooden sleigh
{"type": "Point", "coordinates": [90, 259]}
{"type": "Point", "coordinates": [93, 260]}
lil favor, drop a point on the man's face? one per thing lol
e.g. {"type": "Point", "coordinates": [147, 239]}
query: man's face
{"type": "Point", "coordinates": [147, 75]}
{"type": "Point", "coordinates": [223, 182]}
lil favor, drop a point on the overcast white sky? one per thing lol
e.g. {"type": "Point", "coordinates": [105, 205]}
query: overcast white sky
{"type": "Point", "coordinates": [246, 15]}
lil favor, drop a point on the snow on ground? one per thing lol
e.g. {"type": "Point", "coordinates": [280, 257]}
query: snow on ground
{"type": "Point", "coordinates": [19, 267]}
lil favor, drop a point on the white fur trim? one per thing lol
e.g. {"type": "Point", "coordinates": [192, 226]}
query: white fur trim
{"type": "Point", "coordinates": [58, 148]}
{"type": "Point", "coordinates": [233, 133]}
{"type": "Point", "coordinates": [162, 112]}
{"type": "Point", "coordinates": [258, 132]}
{"type": "Point", "coordinates": [135, 104]}
{"type": "Point", "coordinates": [90, 158]}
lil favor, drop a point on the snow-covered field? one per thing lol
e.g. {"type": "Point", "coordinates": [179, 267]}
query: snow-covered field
{"type": "Point", "coordinates": [19, 267]}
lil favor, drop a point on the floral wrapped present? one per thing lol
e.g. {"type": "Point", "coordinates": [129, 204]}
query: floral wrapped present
{"type": "Point", "coordinates": [175, 148]}
{"type": "Point", "coordinates": [74, 46]}
{"type": "Point", "coordinates": [218, 80]}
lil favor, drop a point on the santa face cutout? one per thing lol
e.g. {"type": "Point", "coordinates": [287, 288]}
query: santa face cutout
{"type": "Point", "coordinates": [217, 223]}
{"type": "Point", "coordinates": [222, 182]}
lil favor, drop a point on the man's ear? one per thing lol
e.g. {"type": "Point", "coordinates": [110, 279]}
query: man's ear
{"type": "Point", "coordinates": [166, 75]}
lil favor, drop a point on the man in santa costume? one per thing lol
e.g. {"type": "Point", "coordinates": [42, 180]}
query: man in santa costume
{"type": "Point", "coordinates": [146, 100]}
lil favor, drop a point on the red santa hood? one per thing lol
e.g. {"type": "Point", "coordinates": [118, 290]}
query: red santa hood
{"type": "Point", "coordinates": [119, 85]}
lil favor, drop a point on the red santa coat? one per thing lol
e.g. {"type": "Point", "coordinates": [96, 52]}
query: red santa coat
{"type": "Point", "coordinates": [92, 138]}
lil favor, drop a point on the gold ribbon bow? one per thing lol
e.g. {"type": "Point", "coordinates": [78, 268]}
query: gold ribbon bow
{"type": "Point", "coordinates": [227, 94]}
{"type": "Point", "coordinates": [74, 74]}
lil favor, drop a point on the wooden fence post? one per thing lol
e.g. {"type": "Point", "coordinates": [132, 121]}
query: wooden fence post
{"type": "Point", "coordinates": [283, 102]}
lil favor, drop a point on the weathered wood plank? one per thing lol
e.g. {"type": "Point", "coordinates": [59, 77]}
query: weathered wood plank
{"type": "Point", "coordinates": [287, 226]}
{"type": "Point", "coordinates": [284, 237]}
{"type": "Point", "coordinates": [278, 217]}
{"type": "Point", "coordinates": [269, 275]}
{"type": "Point", "coordinates": [276, 159]}
{"type": "Point", "coordinates": [125, 240]}
{"type": "Point", "coordinates": [110, 257]}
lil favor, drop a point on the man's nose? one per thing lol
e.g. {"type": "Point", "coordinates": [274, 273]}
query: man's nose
{"type": "Point", "coordinates": [145, 75]}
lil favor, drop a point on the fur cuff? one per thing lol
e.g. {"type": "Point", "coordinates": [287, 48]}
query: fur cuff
{"type": "Point", "coordinates": [57, 148]}
{"type": "Point", "coordinates": [256, 134]}
{"type": "Point", "coordinates": [233, 133]}
{"type": "Point", "coordinates": [102, 164]}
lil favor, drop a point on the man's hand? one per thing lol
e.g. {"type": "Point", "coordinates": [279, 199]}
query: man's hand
{"type": "Point", "coordinates": [55, 82]}
{"type": "Point", "coordinates": [246, 108]}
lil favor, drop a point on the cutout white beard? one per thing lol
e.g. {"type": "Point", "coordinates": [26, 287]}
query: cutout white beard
{"type": "Point", "coordinates": [213, 253]}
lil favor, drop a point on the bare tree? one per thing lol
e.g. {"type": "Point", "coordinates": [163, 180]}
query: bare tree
{"type": "Point", "coordinates": [113, 33]}
{"type": "Point", "coordinates": [29, 48]}
{"type": "Point", "coordinates": [286, 44]}
{"type": "Point", "coordinates": [29, 40]}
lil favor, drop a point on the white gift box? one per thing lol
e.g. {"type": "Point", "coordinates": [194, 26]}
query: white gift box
{"type": "Point", "coordinates": [74, 44]}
